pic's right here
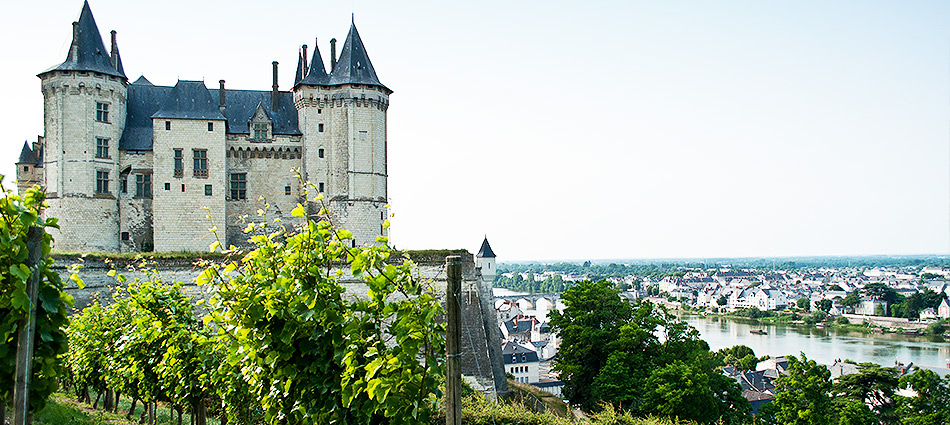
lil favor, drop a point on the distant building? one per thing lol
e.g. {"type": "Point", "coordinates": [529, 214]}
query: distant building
{"type": "Point", "coordinates": [944, 310]}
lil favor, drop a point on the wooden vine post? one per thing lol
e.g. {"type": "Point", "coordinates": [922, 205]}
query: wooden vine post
{"type": "Point", "coordinates": [453, 348]}
{"type": "Point", "coordinates": [26, 330]}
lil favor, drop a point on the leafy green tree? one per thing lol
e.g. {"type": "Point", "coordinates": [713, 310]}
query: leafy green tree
{"type": "Point", "coordinates": [804, 394]}
{"type": "Point", "coordinates": [804, 304]}
{"type": "Point", "coordinates": [722, 301]}
{"type": "Point", "coordinates": [872, 387]}
{"type": "Point", "coordinates": [17, 215]}
{"type": "Point", "coordinates": [824, 305]}
{"type": "Point", "coordinates": [588, 327]}
{"type": "Point", "coordinates": [621, 354]}
{"type": "Point", "coordinates": [852, 299]}
{"type": "Point", "coordinates": [931, 405]}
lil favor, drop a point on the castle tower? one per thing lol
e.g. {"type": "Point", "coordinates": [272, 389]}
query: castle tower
{"type": "Point", "coordinates": [85, 109]}
{"type": "Point", "coordinates": [485, 260]}
{"type": "Point", "coordinates": [29, 167]}
{"type": "Point", "coordinates": [342, 115]}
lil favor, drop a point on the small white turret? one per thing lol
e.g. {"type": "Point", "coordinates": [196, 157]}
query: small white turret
{"type": "Point", "coordinates": [485, 260]}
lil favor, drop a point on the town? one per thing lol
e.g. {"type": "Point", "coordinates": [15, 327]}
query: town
{"type": "Point", "coordinates": [911, 300]}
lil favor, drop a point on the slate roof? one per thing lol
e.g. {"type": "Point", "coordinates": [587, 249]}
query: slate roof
{"type": "Point", "coordinates": [354, 66]}
{"type": "Point", "coordinates": [516, 326]}
{"type": "Point", "coordinates": [317, 74]}
{"type": "Point", "coordinates": [26, 155]}
{"type": "Point", "coordinates": [91, 54]}
{"type": "Point", "coordinates": [485, 251]}
{"type": "Point", "coordinates": [516, 353]}
{"type": "Point", "coordinates": [146, 100]}
{"type": "Point", "coordinates": [189, 100]}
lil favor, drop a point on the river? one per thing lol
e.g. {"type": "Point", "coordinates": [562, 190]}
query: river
{"type": "Point", "coordinates": [824, 345]}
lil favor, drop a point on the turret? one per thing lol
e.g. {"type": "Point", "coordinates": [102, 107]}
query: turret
{"type": "Point", "coordinates": [485, 260]}
{"type": "Point", "coordinates": [342, 116]}
{"type": "Point", "coordinates": [85, 110]}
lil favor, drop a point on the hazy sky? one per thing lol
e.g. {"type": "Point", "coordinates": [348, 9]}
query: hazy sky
{"type": "Point", "coordinates": [591, 130]}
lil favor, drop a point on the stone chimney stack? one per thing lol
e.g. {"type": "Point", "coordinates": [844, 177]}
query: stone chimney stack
{"type": "Point", "coordinates": [274, 93]}
{"type": "Point", "coordinates": [114, 52]}
{"type": "Point", "coordinates": [221, 104]}
{"type": "Point", "coordinates": [74, 48]}
{"type": "Point", "coordinates": [332, 54]}
{"type": "Point", "coordinates": [306, 68]}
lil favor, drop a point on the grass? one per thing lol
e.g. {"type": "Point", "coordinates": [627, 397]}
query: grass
{"type": "Point", "coordinates": [551, 402]}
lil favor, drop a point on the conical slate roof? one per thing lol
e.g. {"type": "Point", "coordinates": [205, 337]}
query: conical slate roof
{"type": "Point", "coordinates": [189, 100]}
{"type": "Point", "coordinates": [91, 54]}
{"type": "Point", "coordinates": [317, 75]}
{"type": "Point", "coordinates": [354, 66]}
{"type": "Point", "coordinates": [300, 71]}
{"type": "Point", "coordinates": [485, 251]}
{"type": "Point", "coordinates": [26, 155]}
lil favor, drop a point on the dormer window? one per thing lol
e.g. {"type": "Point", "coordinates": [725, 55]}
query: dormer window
{"type": "Point", "coordinates": [260, 132]}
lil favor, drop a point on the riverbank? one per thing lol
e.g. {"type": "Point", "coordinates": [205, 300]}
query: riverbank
{"type": "Point", "coordinates": [868, 325]}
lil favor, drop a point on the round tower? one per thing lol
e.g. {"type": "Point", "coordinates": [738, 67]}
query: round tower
{"type": "Point", "coordinates": [84, 105]}
{"type": "Point", "coordinates": [342, 115]}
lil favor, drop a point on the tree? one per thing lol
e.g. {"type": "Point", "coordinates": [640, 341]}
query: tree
{"type": "Point", "coordinates": [588, 327]}
{"type": "Point", "coordinates": [804, 394]}
{"type": "Point", "coordinates": [629, 356]}
{"type": "Point", "coordinates": [931, 405]}
{"type": "Point", "coordinates": [851, 300]}
{"type": "Point", "coordinates": [722, 300]}
{"type": "Point", "coordinates": [804, 304]}
{"type": "Point", "coordinates": [824, 305]}
{"type": "Point", "coordinates": [873, 387]}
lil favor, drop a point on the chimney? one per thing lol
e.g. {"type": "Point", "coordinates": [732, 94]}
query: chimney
{"type": "Point", "coordinates": [332, 54]}
{"type": "Point", "coordinates": [74, 48]}
{"type": "Point", "coordinates": [273, 95]}
{"type": "Point", "coordinates": [114, 52]}
{"type": "Point", "coordinates": [221, 103]}
{"type": "Point", "coordinates": [305, 67]}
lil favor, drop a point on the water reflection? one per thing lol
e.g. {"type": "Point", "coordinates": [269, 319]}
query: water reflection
{"type": "Point", "coordinates": [824, 345]}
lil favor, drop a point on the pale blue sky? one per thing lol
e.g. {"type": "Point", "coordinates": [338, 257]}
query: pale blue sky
{"type": "Point", "coordinates": [568, 130]}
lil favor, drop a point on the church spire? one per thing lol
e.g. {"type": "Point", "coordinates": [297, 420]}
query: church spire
{"type": "Point", "coordinates": [354, 66]}
{"type": "Point", "coordinates": [87, 52]}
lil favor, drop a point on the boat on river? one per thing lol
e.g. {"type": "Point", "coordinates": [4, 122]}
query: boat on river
{"type": "Point", "coordinates": [758, 332]}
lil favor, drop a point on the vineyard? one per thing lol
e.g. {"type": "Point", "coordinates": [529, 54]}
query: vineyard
{"type": "Point", "coordinates": [272, 340]}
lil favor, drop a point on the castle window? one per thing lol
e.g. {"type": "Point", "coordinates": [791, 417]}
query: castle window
{"type": "Point", "coordinates": [286, 190]}
{"type": "Point", "coordinates": [26, 168]}
{"type": "Point", "coordinates": [201, 163]}
{"type": "Point", "coordinates": [168, 186]}
{"type": "Point", "coordinates": [207, 190]}
{"type": "Point", "coordinates": [182, 188]}
{"type": "Point", "coordinates": [178, 163]}
{"type": "Point", "coordinates": [210, 126]}
{"type": "Point", "coordinates": [143, 185]}
{"type": "Point", "coordinates": [102, 181]}
{"type": "Point", "coordinates": [238, 186]}
{"type": "Point", "coordinates": [319, 111]}
{"type": "Point", "coordinates": [102, 112]}
{"type": "Point", "coordinates": [320, 152]}
{"type": "Point", "coordinates": [168, 125]}
{"type": "Point", "coordinates": [260, 132]}
{"type": "Point", "coordinates": [123, 184]}
{"type": "Point", "coordinates": [320, 128]}
{"type": "Point", "coordinates": [320, 187]}
{"type": "Point", "coordinates": [102, 148]}
{"type": "Point", "coordinates": [125, 236]}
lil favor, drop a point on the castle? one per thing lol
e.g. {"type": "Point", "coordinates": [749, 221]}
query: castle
{"type": "Point", "coordinates": [139, 167]}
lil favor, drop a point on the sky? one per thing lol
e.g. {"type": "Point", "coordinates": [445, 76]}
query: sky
{"type": "Point", "coordinates": [590, 130]}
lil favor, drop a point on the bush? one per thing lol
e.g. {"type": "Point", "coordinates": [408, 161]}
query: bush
{"type": "Point", "coordinates": [843, 321]}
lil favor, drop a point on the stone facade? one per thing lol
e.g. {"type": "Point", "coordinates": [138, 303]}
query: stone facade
{"type": "Point", "coordinates": [139, 167]}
